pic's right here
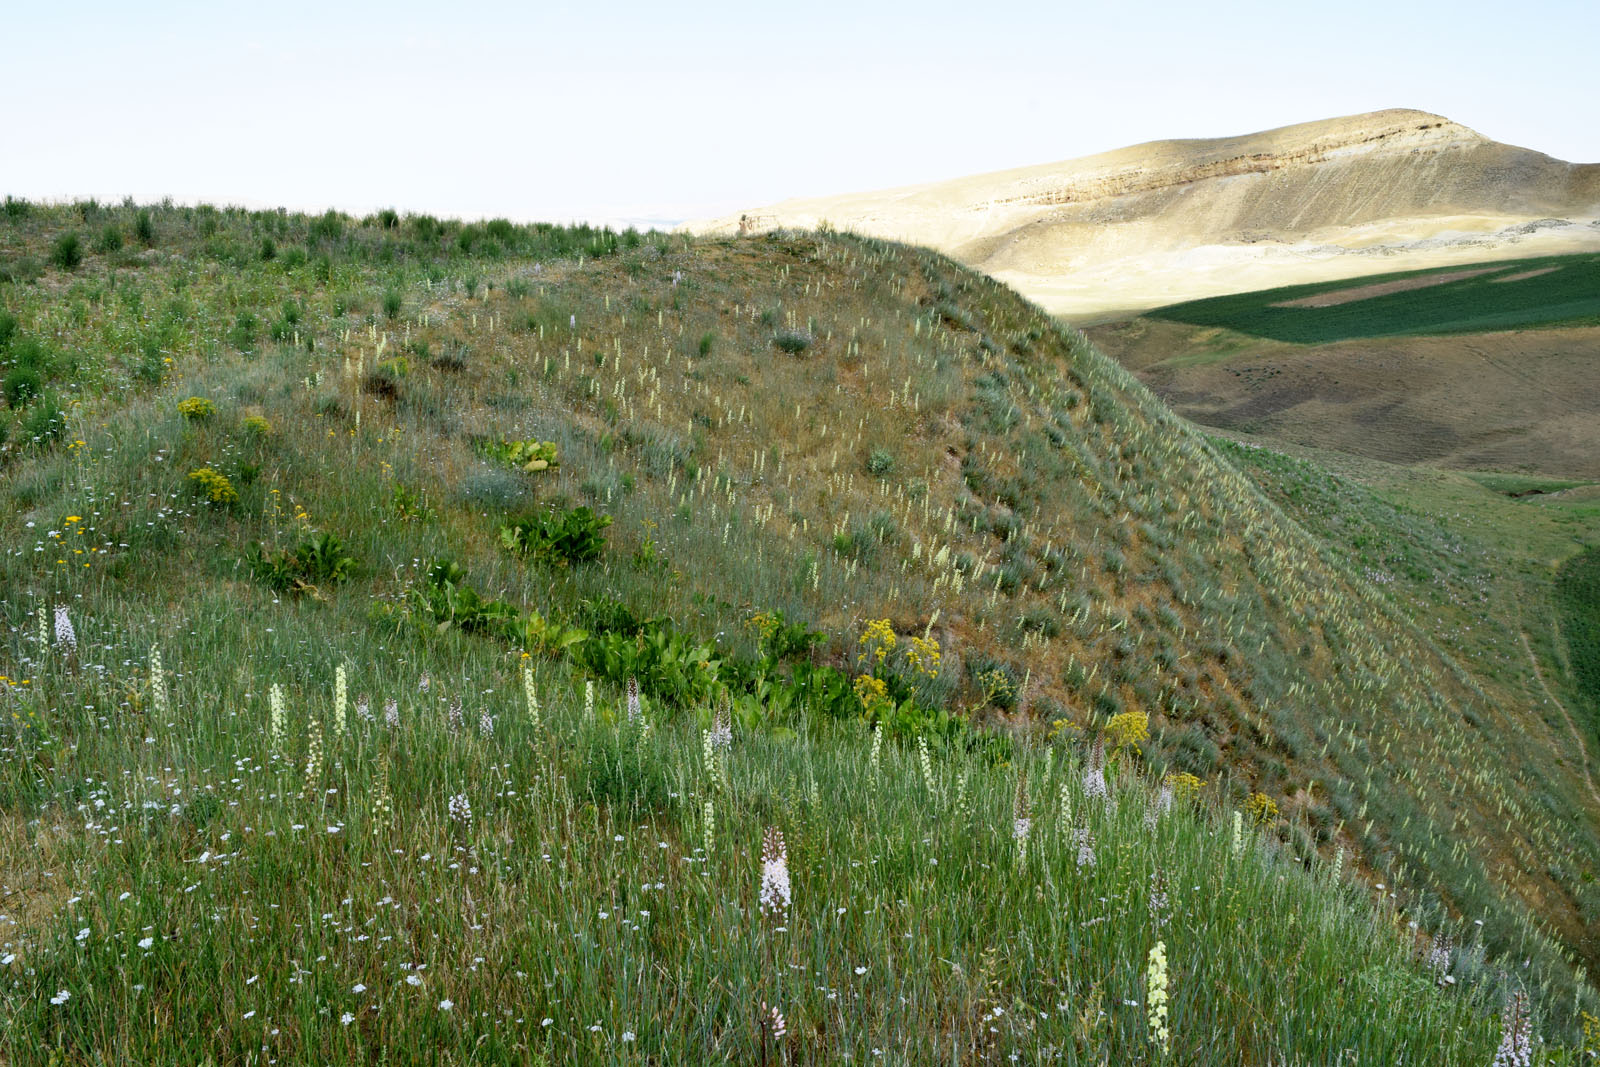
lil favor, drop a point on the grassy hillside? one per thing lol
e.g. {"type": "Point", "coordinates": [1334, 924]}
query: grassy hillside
{"type": "Point", "coordinates": [849, 485]}
{"type": "Point", "coordinates": [1511, 294]}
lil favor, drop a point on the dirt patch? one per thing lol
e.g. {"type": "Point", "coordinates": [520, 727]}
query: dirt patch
{"type": "Point", "coordinates": [1523, 275]}
{"type": "Point", "coordinates": [1367, 292]}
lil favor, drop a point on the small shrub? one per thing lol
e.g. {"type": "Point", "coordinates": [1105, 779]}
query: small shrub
{"type": "Point", "coordinates": [793, 342]}
{"type": "Point", "coordinates": [67, 252]}
{"type": "Point", "coordinates": [391, 303]}
{"type": "Point", "coordinates": [110, 240]}
{"type": "Point", "coordinates": [243, 332]}
{"type": "Point", "coordinates": [144, 229]}
{"type": "Point", "coordinates": [21, 386]}
{"type": "Point", "coordinates": [196, 409]}
{"type": "Point", "coordinates": [880, 461]}
{"type": "Point", "coordinates": [707, 341]}
{"type": "Point", "coordinates": [213, 486]}
{"type": "Point", "coordinates": [389, 218]}
{"type": "Point", "coordinates": [16, 208]}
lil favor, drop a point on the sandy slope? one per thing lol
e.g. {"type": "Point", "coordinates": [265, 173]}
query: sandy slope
{"type": "Point", "coordinates": [1175, 220]}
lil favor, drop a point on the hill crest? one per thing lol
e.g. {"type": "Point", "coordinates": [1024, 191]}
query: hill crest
{"type": "Point", "coordinates": [1140, 226]}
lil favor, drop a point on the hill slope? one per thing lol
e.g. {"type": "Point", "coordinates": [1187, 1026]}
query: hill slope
{"type": "Point", "coordinates": [867, 438]}
{"type": "Point", "coordinates": [1486, 368]}
{"type": "Point", "coordinates": [1141, 226]}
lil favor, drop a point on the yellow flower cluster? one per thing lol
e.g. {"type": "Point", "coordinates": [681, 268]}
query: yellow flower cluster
{"type": "Point", "coordinates": [879, 640]}
{"type": "Point", "coordinates": [872, 692]}
{"type": "Point", "coordinates": [197, 408]}
{"type": "Point", "coordinates": [257, 426]}
{"type": "Point", "coordinates": [764, 624]}
{"type": "Point", "coordinates": [923, 655]}
{"type": "Point", "coordinates": [213, 485]}
{"type": "Point", "coordinates": [1262, 808]}
{"type": "Point", "coordinates": [1185, 786]}
{"type": "Point", "coordinates": [1127, 730]}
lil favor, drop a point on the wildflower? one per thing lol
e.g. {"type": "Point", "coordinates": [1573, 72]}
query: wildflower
{"type": "Point", "coordinates": [314, 754]}
{"type": "Point", "coordinates": [61, 997]}
{"type": "Point", "coordinates": [364, 709]}
{"type": "Point", "coordinates": [382, 803]}
{"type": "Point", "coordinates": [877, 746]}
{"type": "Point", "coordinates": [146, 942]}
{"type": "Point", "coordinates": [213, 486]}
{"type": "Point", "coordinates": [772, 1022]}
{"type": "Point", "coordinates": [1156, 983]}
{"type": "Point", "coordinates": [1128, 730]}
{"type": "Point", "coordinates": [963, 797]}
{"type": "Point", "coordinates": [1094, 775]}
{"type": "Point", "coordinates": [391, 713]}
{"type": "Point", "coordinates": [588, 699]}
{"type": "Point", "coordinates": [340, 695]}
{"type": "Point", "coordinates": [196, 408]}
{"type": "Point", "coordinates": [1516, 1030]}
{"type": "Point", "coordinates": [1160, 804]}
{"type": "Point", "coordinates": [1238, 834]}
{"type": "Point", "coordinates": [722, 730]}
{"type": "Point", "coordinates": [346, 1019]}
{"type": "Point", "coordinates": [1439, 956]}
{"type": "Point", "coordinates": [1338, 864]}
{"type": "Point", "coordinates": [461, 809]}
{"type": "Point", "coordinates": [276, 726]}
{"type": "Point", "coordinates": [456, 715]}
{"type": "Point", "coordinates": [66, 636]}
{"type": "Point", "coordinates": [533, 697]}
{"type": "Point", "coordinates": [413, 979]}
{"type": "Point", "coordinates": [710, 821]}
{"type": "Point", "coordinates": [1185, 786]}
{"type": "Point", "coordinates": [627, 1036]}
{"type": "Point", "coordinates": [1021, 820]}
{"type": "Point", "coordinates": [927, 764]}
{"type": "Point", "coordinates": [871, 692]}
{"type": "Point", "coordinates": [774, 874]}
{"type": "Point", "coordinates": [485, 724]}
{"type": "Point", "coordinates": [1262, 808]}
{"type": "Point", "coordinates": [1160, 899]}
{"type": "Point", "coordinates": [923, 656]}
{"type": "Point", "coordinates": [634, 712]}
{"type": "Point", "coordinates": [423, 683]}
{"type": "Point", "coordinates": [879, 639]}
{"type": "Point", "coordinates": [1083, 837]}
{"type": "Point", "coordinates": [158, 684]}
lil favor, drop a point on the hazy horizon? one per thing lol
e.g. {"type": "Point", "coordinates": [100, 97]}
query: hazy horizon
{"type": "Point", "coordinates": [658, 115]}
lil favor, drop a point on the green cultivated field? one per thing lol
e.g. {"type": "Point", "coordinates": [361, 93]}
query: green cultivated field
{"type": "Point", "coordinates": [428, 642]}
{"type": "Point", "coordinates": [1569, 295]}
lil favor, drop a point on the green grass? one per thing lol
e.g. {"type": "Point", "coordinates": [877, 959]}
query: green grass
{"type": "Point", "coordinates": [1578, 594]}
{"type": "Point", "coordinates": [1044, 519]}
{"type": "Point", "coordinates": [1568, 296]}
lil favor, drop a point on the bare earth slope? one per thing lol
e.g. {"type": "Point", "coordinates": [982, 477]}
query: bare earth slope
{"type": "Point", "coordinates": [1172, 220]}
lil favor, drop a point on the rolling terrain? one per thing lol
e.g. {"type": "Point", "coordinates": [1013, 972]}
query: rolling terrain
{"type": "Point", "coordinates": [1490, 369]}
{"type": "Point", "coordinates": [1106, 235]}
{"type": "Point", "coordinates": [437, 622]}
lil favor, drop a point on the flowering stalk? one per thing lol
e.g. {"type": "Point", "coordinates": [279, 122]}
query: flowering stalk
{"type": "Point", "coordinates": [276, 726]}
{"type": "Point", "coordinates": [876, 755]}
{"type": "Point", "coordinates": [158, 684]}
{"type": "Point", "coordinates": [340, 695]}
{"type": "Point", "coordinates": [774, 874]}
{"type": "Point", "coordinates": [533, 697]}
{"type": "Point", "coordinates": [1156, 980]}
{"type": "Point", "coordinates": [1516, 1034]}
{"type": "Point", "coordinates": [710, 826]}
{"type": "Point", "coordinates": [66, 636]}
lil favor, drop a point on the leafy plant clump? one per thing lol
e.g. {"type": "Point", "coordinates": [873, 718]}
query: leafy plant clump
{"type": "Point", "coordinates": [196, 409]}
{"type": "Point", "coordinates": [566, 537]}
{"type": "Point", "coordinates": [311, 565]}
{"type": "Point", "coordinates": [531, 456]}
{"type": "Point", "coordinates": [793, 342]}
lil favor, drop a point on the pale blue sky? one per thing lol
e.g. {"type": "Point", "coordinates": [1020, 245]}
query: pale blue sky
{"type": "Point", "coordinates": [663, 111]}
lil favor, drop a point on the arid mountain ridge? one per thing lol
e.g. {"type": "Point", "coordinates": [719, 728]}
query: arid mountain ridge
{"type": "Point", "coordinates": [1179, 219]}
